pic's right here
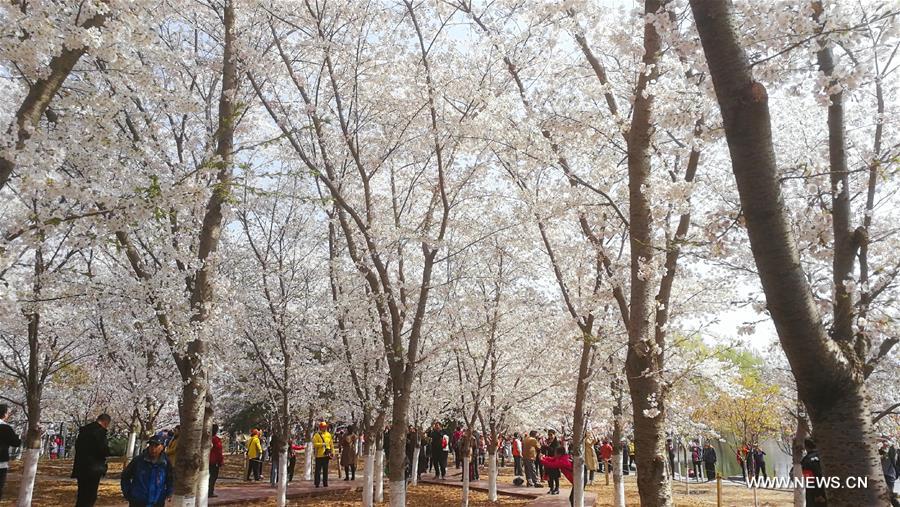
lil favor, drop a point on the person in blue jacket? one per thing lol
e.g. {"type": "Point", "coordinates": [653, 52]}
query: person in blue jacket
{"type": "Point", "coordinates": [148, 480]}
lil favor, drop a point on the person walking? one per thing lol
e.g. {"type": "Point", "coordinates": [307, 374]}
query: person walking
{"type": "Point", "coordinates": [670, 452]}
{"type": "Point", "coordinates": [590, 457]}
{"type": "Point", "coordinates": [424, 457]}
{"type": "Point", "coordinates": [696, 458]}
{"type": "Point", "coordinates": [323, 447]}
{"type": "Point", "coordinates": [216, 459]}
{"type": "Point", "coordinates": [148, 480]}
{"type": "Point", "coordinates": [456, 443]}
{"type": "Point", "coordinates": [759, 462]}
{"type": "Point", "coordinates": [275, 450]}
{"type": "Point", "coordinates": [292, 458]}
{"type": "Point", "coordinates": [889, 468]}
{"type": "Point", "coordinates": [517, 454]}
{"type": "Point", "coordinates": [440, 449]}
{"type": "Point", "coordinates": [606, 452]}
{"type": "Point", "coordinates": [348, 453]}
{"type": "Point", "coordinates": [811, 466]}
{"type": "Point", "coordinates": [741, 455]}
{"type": "Point", "coordinates": [254, 456]}
{"type": "Point", "coordinates": [91, 451]}
{"type": "Point", "coordinates": [530, 455]}
{"type": "Point", "coordinates": [8, 438]}
{"type": "Point", "coordinates": [709, 460]}
{"type": "Point", "coordinates": [631, 454]}
{"type": "Point", "coordinates": [553, 473]}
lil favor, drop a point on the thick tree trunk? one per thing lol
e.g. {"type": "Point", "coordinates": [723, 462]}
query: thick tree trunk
{"type": "Point", "coordinates": [649, 442]}
{"type": "Point", "coordinates": [193, 449]}
{"type": "Point", "coordinates": [188, 457]}
{"type": "Point", "coordinates": [829, 380]}
{"type": "Point", "coordinates": [644, 361]}
{"type": "Point", "coordinates": [397, 457]}
{"type": "Point", "coordinates": [33, 390]}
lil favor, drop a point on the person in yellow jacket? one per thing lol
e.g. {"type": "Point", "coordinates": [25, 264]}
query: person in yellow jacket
{"type": "Point", "coordinates": [323, 446]}
{"type": "Point", "coordinates": [172, 448]}
{"type": "Point", "coordinates": [254, 455]}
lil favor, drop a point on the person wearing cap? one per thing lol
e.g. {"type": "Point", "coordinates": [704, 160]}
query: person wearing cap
{"type": "Point", "coordinates": [254, 455]}
{"type": "Point", "coordinates": [148, 480]}
{"type": "Point", "coordinates": [323, 446]}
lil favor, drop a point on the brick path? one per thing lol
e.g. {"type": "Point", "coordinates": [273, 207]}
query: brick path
{"type": "Point", "coordinates": [237, 492]}
{"type": "Point", "coordinates": [540, 496]}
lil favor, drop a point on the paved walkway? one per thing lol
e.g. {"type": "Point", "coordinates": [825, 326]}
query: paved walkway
{"type": "Point", "coordinates": [540, 496]}
{"type": "Point", "coordinates": [237, 492]}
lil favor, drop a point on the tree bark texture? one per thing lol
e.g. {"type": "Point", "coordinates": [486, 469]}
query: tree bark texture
{"type": "Point", "coordinates": [828, 384]}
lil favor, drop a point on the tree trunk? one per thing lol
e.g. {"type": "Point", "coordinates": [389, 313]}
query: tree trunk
{"type": "Point", "coordinates": [397, 457]}
{"type": "Point", "coordinates": [492, 476]}
{"type": "Point", "coordinates": [618, 448]}
{"type": "Point", "coordinates": [33, 390]}
{"type": "Point", "coordinates": [649, 442]}
{"type": "Point", "coordinates": [368, 474]}
{"type": "Point", "coordinates": [205, 444]}
{"type": "Point", "coordinates": [188, 457]}
{"type": "Point", "coordinates": [379, 470]}
{"type": "Point", "coordinates": [40, 94]}
{"type": "Point", "coordinates": [644, 361]}
{"type": "Point", "coordinates": [618, 479]}
{"type": "Point", "coordinates": [308, 466]}
{"type": "Point", "coordinates": [465, 481]}
{"type": "Point", "coordinates": [578, 423]}
{"type": "Point", "coordinates": [129, 448]}
{"type": "Point", "coordinates": [281, 490]}
{"type": "Point", "coordinates": [414, 466]}
{"type": "Point", "coordinates": [829, 380]}
{"type": "Point", "coordinates": [193, 448]}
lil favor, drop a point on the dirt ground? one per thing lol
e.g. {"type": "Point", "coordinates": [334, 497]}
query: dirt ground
{"type": "Point", "coordinates": [53, 488]}
{"type": "Point", "coordinates": [698, 495]}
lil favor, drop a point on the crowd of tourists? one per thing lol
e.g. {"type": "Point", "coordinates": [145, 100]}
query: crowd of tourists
{"type": "Point", "coordinates": [536, 458]}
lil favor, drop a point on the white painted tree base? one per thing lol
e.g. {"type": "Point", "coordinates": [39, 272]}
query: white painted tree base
{"type": "Point", "coordinates": [414, 471]}
{"type": "Point", "coordinates": [29, 472]}
{"type": "Point", "coordinates": [368, 480]}
{"type": "Point", "coordinates": [309, 461]}
{"type": "Point", "coordinates": [398, 493]}
{"type": "Point", "coordinates": [379, 476]}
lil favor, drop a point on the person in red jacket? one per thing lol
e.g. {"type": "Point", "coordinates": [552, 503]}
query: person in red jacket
{"type": "Point", "coordinates": [606, 452]}
{"type": "Point", "coordinates": [216, 459]}
{"type": "Point", "coordinates": [562, 462]}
